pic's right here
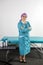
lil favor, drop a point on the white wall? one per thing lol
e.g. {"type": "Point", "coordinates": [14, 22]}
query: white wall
{"type": "Point", "coordinates": [10, 11]}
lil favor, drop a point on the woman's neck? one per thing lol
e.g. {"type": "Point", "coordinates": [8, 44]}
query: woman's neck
{"type": "Point", "coordinates": [23, 21]}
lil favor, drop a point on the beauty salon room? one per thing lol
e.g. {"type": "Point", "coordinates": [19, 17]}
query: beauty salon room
{"type": "Point", "coordinates": [21, 32]}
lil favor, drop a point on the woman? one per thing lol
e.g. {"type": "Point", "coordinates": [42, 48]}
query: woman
{"type": "Point", "coordinates": [24, 42]}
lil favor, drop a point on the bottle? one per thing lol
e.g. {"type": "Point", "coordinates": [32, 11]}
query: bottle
{"type": "Point", "coordinates": [1, 43]}
{"type": "Point", "coordinates": [6, 43]}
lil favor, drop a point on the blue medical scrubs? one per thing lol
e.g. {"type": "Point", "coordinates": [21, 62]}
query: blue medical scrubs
{"type": "Point", "coordinates": [24, 41]}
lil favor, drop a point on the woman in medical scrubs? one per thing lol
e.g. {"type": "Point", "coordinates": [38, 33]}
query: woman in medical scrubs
{"type": "Point", "coordinates": [24, 42]}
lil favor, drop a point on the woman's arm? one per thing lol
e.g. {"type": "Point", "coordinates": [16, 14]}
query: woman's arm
{"type": "Point", "coordinates": [29, 26]}
{"type": "Point", "coordinates": [21, 28]}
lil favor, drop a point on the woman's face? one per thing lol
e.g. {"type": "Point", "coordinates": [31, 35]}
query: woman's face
{"type": "Point", "coordinates": [23, 18]}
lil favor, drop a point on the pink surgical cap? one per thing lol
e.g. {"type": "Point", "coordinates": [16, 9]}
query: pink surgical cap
{"type": "Point", "coordinates": [24, 14]}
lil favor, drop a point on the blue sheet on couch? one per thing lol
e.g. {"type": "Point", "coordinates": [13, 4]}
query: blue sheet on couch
{"type": "Point", "coordinates": [14, 40]}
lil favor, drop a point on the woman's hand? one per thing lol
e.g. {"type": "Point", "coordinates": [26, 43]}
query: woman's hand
{"type": "Point", "coordinates": [22, 27]}
{"type": "Point", "coordinates": [29, 28]}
